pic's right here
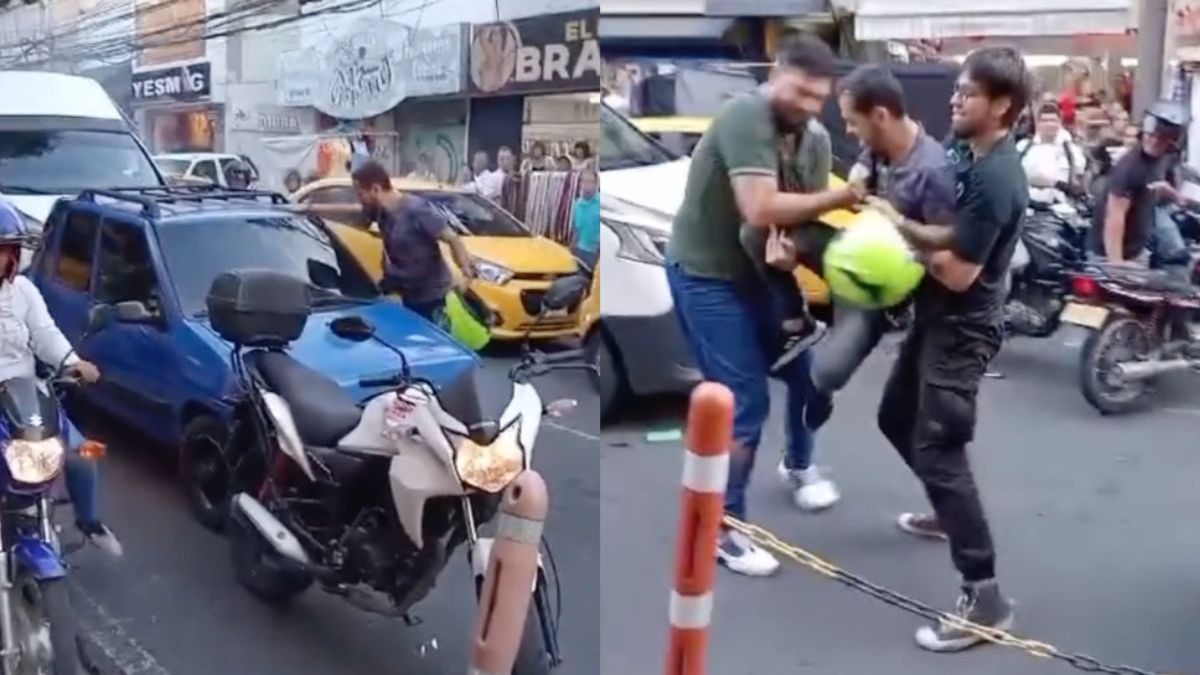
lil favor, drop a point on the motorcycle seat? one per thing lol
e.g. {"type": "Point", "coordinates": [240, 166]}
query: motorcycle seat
{"type": "Point", "coordinates": [479, 409]}
{"type": "Point", "coordinates": [323, 411]}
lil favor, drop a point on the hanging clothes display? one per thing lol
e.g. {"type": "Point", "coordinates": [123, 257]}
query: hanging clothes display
{"type": "Point", "coordinates": [549, 199]}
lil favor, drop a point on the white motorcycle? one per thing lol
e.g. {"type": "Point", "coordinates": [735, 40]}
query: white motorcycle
{"type": "Point", "coordinates": [371, 501]}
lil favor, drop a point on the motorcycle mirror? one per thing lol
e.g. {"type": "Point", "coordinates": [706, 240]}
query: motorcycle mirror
{"type": "Point", "coordinates": [561, 407]}
{"type": "Point", "coordinates": [353, 328]}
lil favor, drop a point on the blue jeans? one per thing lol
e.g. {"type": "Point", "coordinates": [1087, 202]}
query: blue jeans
{"type": "Point", "coordinates": [83, 479]}
{"type": "Point", "coordinates": [730, 332]}
{"type": "Point", "coordinates": [1170, 250]}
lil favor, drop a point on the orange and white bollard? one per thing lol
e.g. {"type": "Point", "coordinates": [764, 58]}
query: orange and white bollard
{"type": "Point", "coordinates": [511, 575]}
{"type": "Point", "coordinates": [705, 471]}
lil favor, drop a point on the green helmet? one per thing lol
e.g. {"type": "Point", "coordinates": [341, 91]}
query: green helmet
{"type": "Point", "coordinates": [869, 265]}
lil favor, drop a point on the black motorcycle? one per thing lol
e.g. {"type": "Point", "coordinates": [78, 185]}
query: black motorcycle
{"type": "Point", "coordinates": [1054, 242]}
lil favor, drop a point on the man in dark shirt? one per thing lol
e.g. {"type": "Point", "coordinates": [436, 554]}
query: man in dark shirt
{"type": "Point", "coordinates": [928, 405]}
{"type": "Point", "coordinates": [906, 168]}
{"type": "Point", "coordinates": [411, 229]}
{"type": "Point", "coordinates": [1123, 223]}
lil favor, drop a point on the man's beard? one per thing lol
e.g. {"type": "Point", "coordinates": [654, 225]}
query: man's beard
{"type": "Point", "coordinates": [790, 125]}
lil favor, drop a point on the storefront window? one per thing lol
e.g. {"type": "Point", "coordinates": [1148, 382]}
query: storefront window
{"type": "Point", "coordinates": [183, 131]}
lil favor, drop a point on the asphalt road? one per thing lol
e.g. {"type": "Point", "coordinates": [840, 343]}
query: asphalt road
{"type": "Point", "coordinates": [175, 605]}
{"type": "Point", "coordinates": [1097, 521]}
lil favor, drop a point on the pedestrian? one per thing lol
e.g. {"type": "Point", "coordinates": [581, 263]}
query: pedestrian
{"type": "Point", "coordinates": [719, 299]}
{"type": "Point", "coordinates": [907, 169]}
{"type": "Point", "coordinates": [537, 159]}
{"type": "Point", "coordinates": [581, 155]}
{"type": "Point", "coordinates": [488, 183]}
{"type": "Point", "coordinates": [412, 230]}
{"type": "Point", "coordinates": [928, 408]}
{"type": "Point", "coordinates": [586, 219]}
{"type": "Point", "coordinates": [1051, 158]}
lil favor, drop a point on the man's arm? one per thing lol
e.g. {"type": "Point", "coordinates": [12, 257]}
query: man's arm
{"type": "Point", "coordinates": [936, 233]}
{"type": "Point", "coordinates": [459, 250]}
{"type": "Point", "coordinates": [1116, 211]}
{"type": "Point", "coordinates": [331, 211]}
{"type": "Point", "coordinates": [977, 227]}
{"type": "Point", "coordinates": [747, 143]}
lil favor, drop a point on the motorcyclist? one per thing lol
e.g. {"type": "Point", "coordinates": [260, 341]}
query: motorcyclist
{"type": "Point", "coordinates": [1124, 219]}
{"type": "Point", "coordinates": [238, 175]}
{"type": "Point", "coordinates": [28, 334]}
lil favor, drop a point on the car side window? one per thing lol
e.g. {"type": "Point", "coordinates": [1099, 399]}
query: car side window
{"type": "Point", "coordinates": [126, 270]}
{"type": "Point", "coordinates": [207, 170]}
{"type": "Point", "coordinates": [76, 250]}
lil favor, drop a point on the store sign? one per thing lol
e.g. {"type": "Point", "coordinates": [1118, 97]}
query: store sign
{"type": "Point", "coordinates": [554, 52]}
{"type": "Point", "coordinates": [269, 119]}
{"type": "Point", "coordinates": [374, 66]}
{"type": "Point", "coordinates": [180, 83]}
{"type": "Point", "coordinates": [790, 8]}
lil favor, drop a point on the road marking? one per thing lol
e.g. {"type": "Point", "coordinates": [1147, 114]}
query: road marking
{"type": "Point", "coordinates": [1195, 412]}
{"type": "Point", "coordinates": [573, 431]}
{"type": "Point", "coordinates": [107, 646]}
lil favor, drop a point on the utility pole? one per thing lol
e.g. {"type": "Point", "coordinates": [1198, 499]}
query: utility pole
{"type": "Point", "coordinates": [1151, 39]}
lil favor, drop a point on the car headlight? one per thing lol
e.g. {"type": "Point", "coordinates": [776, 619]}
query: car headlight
{"type": "Point", "coordinates": [34, 462]}
{"type": "Point", "coordinates": [490, 467]}
{"type": "Point", "coordinates": [492, 272]}
{"type": "Point", "coordinates": [638, 243]}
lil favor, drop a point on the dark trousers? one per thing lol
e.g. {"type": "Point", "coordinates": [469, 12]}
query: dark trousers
{"type": "Point", "coordinates": [928, 414]}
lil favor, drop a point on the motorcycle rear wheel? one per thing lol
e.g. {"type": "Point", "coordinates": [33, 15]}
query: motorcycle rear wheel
{"type": "Point", "coordinates": [1120, 340]}
{"type": "Point", "coordinates": [47, 636]}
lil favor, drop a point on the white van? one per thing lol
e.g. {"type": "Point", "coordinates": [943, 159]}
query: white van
{"type": "Point", "coordinates": [641, 347]}
{"type": "Point", "coordinates": [61, 134]}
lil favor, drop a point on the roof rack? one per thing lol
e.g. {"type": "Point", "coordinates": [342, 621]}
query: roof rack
{"type": "Point", "coordinates": [149, 198]}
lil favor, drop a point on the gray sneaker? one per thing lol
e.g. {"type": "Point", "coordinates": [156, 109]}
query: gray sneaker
{"type": "Point", "coordinates": [982, 604]}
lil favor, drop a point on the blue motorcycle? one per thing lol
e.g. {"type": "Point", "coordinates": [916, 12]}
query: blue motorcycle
{"type": "Point", "coordinates": [37, 627]}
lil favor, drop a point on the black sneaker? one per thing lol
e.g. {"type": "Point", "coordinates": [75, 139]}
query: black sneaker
{"type": "Point", "coordinates": [979, 603]}
{"type": "Point", "coordinates": [796, 343]}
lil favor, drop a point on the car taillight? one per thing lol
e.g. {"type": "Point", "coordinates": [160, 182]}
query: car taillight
{"type": "Point", "coordinates": [1084, 287]}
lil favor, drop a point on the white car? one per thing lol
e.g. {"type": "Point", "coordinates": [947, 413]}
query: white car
{"type": "Point", "coordinates": [640, 345]}
{"type": "Point", "coordinates": [206, 166]}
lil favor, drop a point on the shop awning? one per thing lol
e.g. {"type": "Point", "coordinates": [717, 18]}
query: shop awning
{"type": "Point", "coordinates": [877, 20]}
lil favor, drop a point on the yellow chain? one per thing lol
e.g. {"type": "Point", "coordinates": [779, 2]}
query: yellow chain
{"type": "Point", "coordinates": [769, 541]}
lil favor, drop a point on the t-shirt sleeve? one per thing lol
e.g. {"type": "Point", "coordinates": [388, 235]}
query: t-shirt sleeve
{"type": "Point", "coordinates": [981, 218]}
{"type": "Point", "coordinates": [745, 141]}
{"type": "Point", "coordinates": [429, 220]}
{"type": "Point", "coordinates": [938, 199]}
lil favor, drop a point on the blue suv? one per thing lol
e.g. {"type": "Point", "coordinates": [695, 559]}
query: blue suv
{"type": "Point", "coordinates": [154, 252]}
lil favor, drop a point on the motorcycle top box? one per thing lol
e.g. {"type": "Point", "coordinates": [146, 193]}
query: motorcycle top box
{"type": "Point", "coordinates": [258, 308]}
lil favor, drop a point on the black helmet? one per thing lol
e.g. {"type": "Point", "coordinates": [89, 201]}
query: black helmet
{"type": "Point", "coordinates": [1165, 118]}
{"type": "Point", "coordinates": [237, 174]}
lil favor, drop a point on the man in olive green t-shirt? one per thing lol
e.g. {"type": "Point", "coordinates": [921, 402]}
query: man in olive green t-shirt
{"type": "Point", "coordinates": [722, 303]}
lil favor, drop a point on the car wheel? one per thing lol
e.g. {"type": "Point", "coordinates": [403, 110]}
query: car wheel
{"type": "Point", "coordinates": [612, 377]}
{"type": "Point", "coordinates": [204, 471]}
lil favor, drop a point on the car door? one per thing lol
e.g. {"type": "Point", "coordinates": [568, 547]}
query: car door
{"type": "Point", "coordinates": [136, 359]}
{"type": "Point", "coordinates": [63, 268]}
{"type": "Point", "coordinates": [207, 170]}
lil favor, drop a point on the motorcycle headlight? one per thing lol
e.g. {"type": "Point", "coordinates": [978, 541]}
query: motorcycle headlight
{"type": "Point", "coordinates": [492, 272]}
{"type": "Point", "coordinates": [34, 462]}
{"type": "Point", "coordinates": [640, 244]}
{"type": "Point", "coordinates": [491, 467]}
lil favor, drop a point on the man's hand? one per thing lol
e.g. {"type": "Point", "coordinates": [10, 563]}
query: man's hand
{"type": "Point", "coordinates": [885, 207]}
{"type": "Point", "coordinates": [1164, 190]}
{"type": "Point", "coordinates": [781, 251]}
{"type": "Point", "coordinates": [858, 188]}
{"type": "Point", "coordinates": [86, 370]}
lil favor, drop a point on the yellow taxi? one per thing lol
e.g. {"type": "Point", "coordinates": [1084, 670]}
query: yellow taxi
{"type": "Point", "coordinates": [814, 287]}
{"type": "Point", "coordinates": [514, 266]}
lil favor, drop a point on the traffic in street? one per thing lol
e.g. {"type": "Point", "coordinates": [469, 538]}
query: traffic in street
{"type": "Point", "coordinates": [174, 597]}
{"type": "Point", "coordinates": [1091, 514]}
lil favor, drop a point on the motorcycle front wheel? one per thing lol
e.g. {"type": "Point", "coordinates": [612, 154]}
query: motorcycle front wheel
{"type": "Point", "coordinates": [44, 628]}
{"type": "Point", "coordinates": [1121, 340]}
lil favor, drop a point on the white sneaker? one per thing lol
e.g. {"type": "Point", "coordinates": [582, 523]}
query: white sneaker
{"type": "Point", "coordinates": [739, 554]}
{"type": "Point", "coordinates": [812, 490]}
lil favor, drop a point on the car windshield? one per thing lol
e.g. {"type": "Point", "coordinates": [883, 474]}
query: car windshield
{"type": "Point", "coordinates": [196, 252]}
{"type": "Point", "coordinates": [623, 146]}
{"type": "Point", "coordinates": [68, 161]}
{"type": "Point", "coordinates": [473, 215]}
{"type": "Point", "coordinates": [174, 167]}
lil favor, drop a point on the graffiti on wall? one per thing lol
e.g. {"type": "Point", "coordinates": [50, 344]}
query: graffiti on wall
{"type": "Point", "coordinates": [442, 147]}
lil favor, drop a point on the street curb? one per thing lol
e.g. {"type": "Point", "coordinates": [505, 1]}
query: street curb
{"type": "Point", "coordinates": [104, 645]}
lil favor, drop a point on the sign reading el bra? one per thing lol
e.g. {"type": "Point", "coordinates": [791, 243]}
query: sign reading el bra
{"type": "Point", "coordinates": [548, 53]}
{"type": "Point", "coordinates": [180, 83]}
